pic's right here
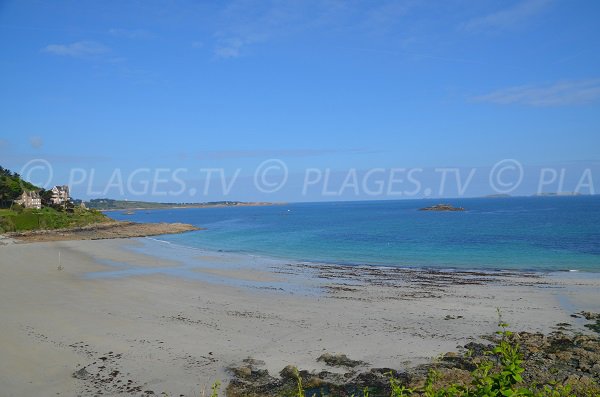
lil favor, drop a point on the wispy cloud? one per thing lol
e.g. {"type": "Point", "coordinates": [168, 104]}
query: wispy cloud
{"type": "Point", "coordinates": [102, 55]}
{"type": "Point", "coordinates": [131, 33]}
{"type": "Point", "coordinates": [243, 23]}
{"type": "Point", "coordinates": [230, 48]}
{"type": "Point", "coordinates": [79, 49]}
{"type": "Point", "coordinates": [269, 153]}
{"type": "Point", "coordinates": [36, 142]}
{"type": "Point", "coordinates": [507, 18]}
{"type": "Point", "coordinates": [562, 93]}
{"type": "Point", "coordinates": [384, 16]}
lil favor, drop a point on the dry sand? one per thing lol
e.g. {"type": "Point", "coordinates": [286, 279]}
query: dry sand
{"type": "Point", "coordinates": [162, 333]}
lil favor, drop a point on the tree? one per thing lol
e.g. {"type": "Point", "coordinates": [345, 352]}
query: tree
{"type": "Point", "coordinates": [46, 196]}
{"type": "Point", "coordinates": [12, 186]}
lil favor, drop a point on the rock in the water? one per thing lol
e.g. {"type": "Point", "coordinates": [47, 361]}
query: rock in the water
{"type": "Point", "coordinates": [442, 207]}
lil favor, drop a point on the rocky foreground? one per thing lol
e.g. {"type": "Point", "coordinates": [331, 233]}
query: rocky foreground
{"type": "Point", "coordinates": [563, 357]}
{"type": "Point", "coordinates": [104, 230]}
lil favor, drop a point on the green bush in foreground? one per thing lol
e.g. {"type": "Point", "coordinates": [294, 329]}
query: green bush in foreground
{"type": "Point", "coordinates": [497, 376]}
{"type": "Point", "coordinates": [46, 218]}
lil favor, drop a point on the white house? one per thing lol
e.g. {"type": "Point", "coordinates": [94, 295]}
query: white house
{"type": "Point", "coordinates": [30, 199]}
{"type": "Point", "coordinates": [60, 195]}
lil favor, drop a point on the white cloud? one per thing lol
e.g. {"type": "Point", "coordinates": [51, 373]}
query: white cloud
{"type": "Point", "coordinates": [248, 22]}
{"type": "Point", "coordinates": [508, 18]}
{"type": "Point", "coordinates": [36, 142]}
{"type": "Point", "coordinates": [131, 33]}
{"type": "Point", "coordinates": [562, 93]}
{"type": "Point", "coordinates": [230, 48]}
{"type": "Point", "coordinates": [77, 49]}
{"type": "Point", "coordinates": [243, 24]}
{"type": "Point", "coordinates": [387, 15]}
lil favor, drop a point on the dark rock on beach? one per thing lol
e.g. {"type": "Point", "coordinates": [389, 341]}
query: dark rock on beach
{"type": "Point", "coordinates": [339, 360]}
{"type": "Point", "coordinates": [81, 374]}
{"type": "Point", "coordinates": [559, 357]}
{"type": "Point", "coordinates": [595, 326]}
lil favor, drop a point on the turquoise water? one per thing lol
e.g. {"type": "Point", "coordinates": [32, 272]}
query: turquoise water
{"type": "Point", "coordinates": [537, 233]}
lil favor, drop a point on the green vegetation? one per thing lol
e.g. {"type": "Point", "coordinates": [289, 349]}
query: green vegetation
{"type": "Point", "coordinates": [215, 389]}
{"type": "Point", "coordinates": [19, 219]}
{"type": "Point", "coordinates": [15, 218]}
{"type": "Point", "coordinates": [12, 186]}
{"type": "Point", "coordinates": [499, 375]}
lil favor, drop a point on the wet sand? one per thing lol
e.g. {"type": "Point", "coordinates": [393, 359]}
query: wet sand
{"type": "Point", "coordinates": [123, 317]}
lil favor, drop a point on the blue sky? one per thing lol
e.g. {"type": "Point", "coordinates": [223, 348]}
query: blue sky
{"type": "Point", "coordinates": [321, 84]}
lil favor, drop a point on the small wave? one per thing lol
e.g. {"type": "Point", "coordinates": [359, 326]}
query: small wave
{"type": "Point", "coordinates": [160, 241]}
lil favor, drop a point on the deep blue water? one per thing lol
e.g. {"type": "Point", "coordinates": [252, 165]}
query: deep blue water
{"type": "Point", "coordinates": [535, 233]}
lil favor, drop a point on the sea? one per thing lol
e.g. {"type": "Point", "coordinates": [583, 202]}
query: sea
{"type": "Point", "coordinates": [545, 234]}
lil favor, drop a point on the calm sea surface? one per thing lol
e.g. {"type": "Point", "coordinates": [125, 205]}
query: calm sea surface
{"type": "Point", "coordinates": [537, 233]}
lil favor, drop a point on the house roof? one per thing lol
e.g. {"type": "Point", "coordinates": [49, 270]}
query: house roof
{"type": "Point", "coordinates": [31, 194]}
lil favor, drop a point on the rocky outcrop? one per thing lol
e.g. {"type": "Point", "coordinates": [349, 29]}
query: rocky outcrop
{"type": "Point", "coordinates": [339, 360]}
{"type": "Point", "coordinates": [104, 230]}
{"type": "Point", "coordinates": [442, 207]}
{"type": "Point", "coordinates": [562, 357]}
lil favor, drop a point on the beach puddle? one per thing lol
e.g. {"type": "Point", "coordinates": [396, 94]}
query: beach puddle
{"type": "Point", "coordinates": [235, 270]}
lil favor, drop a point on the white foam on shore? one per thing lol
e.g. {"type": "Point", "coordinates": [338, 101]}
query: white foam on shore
{"type": "Point", "coordinates": [159, 240]}
{"type": "Point", "coordinates": [279, 259]}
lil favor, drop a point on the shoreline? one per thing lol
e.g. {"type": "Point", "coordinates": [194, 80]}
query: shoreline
{"type": "Point", "coordinates": [174, 320]}
{"type": "Point", "coordinates": [112, 229]}
{"type": "Point", "coordinates": [121, 229]}
{"type": "Point", "coordinates": [440, 269]}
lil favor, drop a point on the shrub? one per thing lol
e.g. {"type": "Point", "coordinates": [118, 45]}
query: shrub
{"type": "Point", "coordinates": [499, 375]}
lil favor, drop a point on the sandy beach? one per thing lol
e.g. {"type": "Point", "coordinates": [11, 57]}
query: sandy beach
{"type": "Point", "coordinates": [144, 316]}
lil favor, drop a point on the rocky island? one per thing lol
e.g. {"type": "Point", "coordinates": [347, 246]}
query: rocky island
{"type": "Point", "coordinates": [442, 207]}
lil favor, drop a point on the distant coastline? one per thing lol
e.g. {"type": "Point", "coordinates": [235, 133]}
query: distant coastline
{"type": "Point", "coordinates": [395, 233]}
{"type": "Point", "coordinates": [108, 205]}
